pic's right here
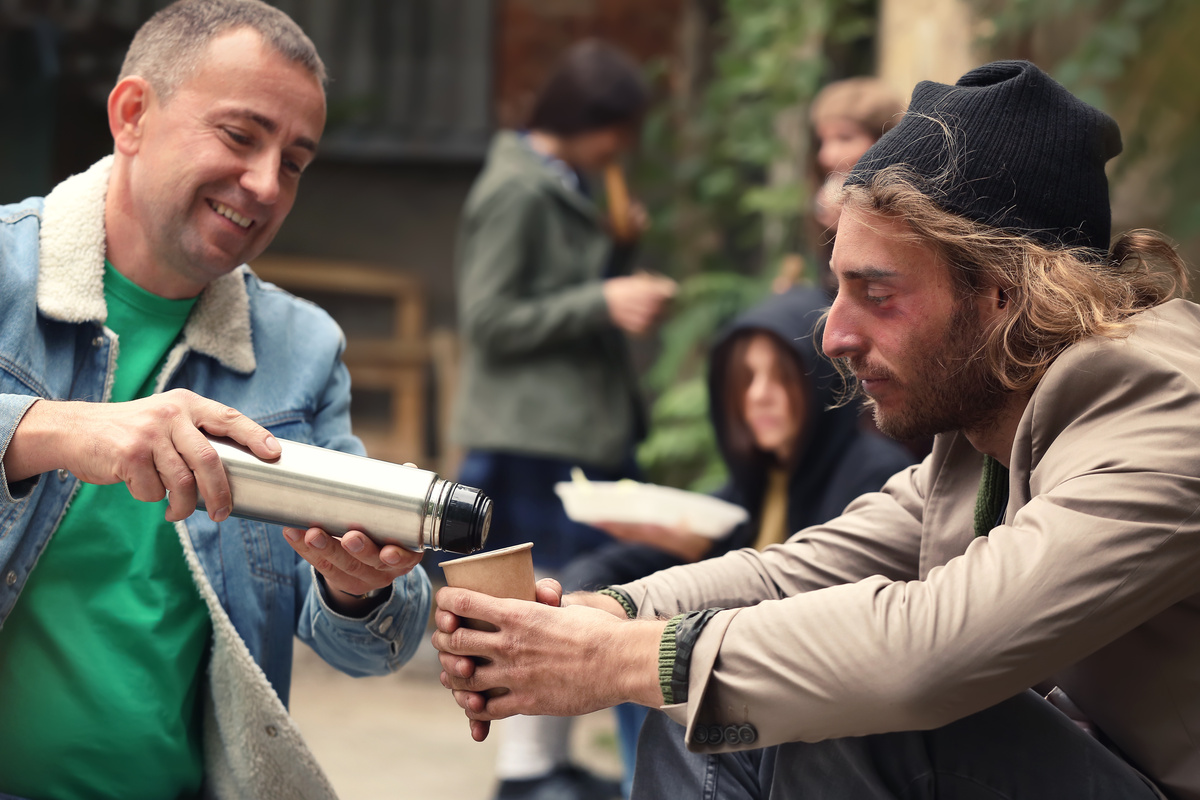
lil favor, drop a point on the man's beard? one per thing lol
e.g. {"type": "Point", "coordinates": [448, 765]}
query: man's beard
{"type": "Point", "coordinates": [951, 389]}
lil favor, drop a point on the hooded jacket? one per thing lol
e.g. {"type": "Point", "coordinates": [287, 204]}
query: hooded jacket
{"type": "Point", "coordinates": [837, 462]}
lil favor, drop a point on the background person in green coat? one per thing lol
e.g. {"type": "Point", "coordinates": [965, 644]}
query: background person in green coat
{"type": "Point", "coordinates": [545, 298]}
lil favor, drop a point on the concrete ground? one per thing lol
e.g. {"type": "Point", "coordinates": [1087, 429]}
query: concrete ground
{"type": "Point", "coordinates": [402, 736]}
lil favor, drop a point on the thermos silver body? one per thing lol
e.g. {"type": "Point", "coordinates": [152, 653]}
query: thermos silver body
{"type": "Point", "coordinates": [309, 486]}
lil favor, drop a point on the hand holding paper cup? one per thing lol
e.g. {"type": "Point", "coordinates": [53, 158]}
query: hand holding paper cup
{"type": "Point", "coordinates": [501, 573]}
{"type": "Point", "coordinates": [504, 573]}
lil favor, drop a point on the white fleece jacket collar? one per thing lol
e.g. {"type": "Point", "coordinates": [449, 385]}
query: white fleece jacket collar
{"type": "Point", "coordinates": [252, 746]}
{"type": "Point", "coordinates": [71, 274]}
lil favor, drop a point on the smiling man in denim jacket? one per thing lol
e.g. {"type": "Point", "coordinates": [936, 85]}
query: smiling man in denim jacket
{"type": "Point", "coordinates": [146, 648]}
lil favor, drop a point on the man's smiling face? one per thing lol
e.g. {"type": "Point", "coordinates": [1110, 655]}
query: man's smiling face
{"type": "Point", "coordinates": [218, 164]}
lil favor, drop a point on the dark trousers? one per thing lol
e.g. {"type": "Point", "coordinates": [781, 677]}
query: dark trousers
{"type": "Point", "coordinates": [1023, 749]}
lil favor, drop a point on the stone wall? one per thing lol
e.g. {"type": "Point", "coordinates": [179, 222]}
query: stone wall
{"type": "Point", "coordinates": [925, 40]}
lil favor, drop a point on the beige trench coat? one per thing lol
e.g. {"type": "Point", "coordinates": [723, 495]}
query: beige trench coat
{"type": "Point", "coordinates": [895, 617]}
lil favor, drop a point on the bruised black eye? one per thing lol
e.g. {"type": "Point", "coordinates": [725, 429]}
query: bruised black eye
{"type": "Point", "coordinates": [239, 138]}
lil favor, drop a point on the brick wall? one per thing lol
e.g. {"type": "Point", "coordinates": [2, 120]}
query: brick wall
{"type": "Point", "coordinates": [532, 34]}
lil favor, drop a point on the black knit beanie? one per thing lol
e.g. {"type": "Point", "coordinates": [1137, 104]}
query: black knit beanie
{"type": "Point", "coordinates": [1027, 155]}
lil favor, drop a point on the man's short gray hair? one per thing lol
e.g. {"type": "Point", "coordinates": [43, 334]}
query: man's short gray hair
{"type": "Point", "coordinates": [169, 47]}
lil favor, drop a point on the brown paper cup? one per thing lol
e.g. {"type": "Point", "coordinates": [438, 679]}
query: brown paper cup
{"type": "Point", "coordinates": [501, 573]}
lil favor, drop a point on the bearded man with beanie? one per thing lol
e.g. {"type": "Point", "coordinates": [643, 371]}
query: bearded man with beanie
{"type": "Point", "coordinates": [1017, 616]}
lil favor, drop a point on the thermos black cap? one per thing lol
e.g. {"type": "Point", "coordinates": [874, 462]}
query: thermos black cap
{"type": "Point", "coordinates": [465, 521]}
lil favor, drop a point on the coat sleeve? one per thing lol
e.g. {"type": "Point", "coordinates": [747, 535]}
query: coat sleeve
{"type": "Point", "coordinates": [501, 316]}
{"type": "Point", "coordinates": [1108, 538]}
{"type": "Point", "coordinates": [389, 635]}
{"type": "Point", "coordinates": [12, 410]}
{"type": "Point", "coordinates": [879, 534]}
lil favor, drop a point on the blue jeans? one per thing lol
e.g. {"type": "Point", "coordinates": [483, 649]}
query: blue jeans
{"type": "Point", "coordinates": [630, 718]}
{"type": "Point", "coordinates": [1019, 749]}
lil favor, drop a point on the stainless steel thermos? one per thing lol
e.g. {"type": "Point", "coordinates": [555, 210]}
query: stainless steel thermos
{"type": "Point", "coordinates": [392, 504]}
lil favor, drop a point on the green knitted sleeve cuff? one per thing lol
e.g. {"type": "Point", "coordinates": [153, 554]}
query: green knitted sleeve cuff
{"type": "Point", "coordinates": [625, 600]}
{"type": "Point", "coordinates": [666, 659]}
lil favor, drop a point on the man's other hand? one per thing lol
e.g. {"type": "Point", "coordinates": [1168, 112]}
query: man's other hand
{"type": "Point", "coordinates": [637, 302]}
{"type": "Point", "coordinates": [351, 565]}
{"type": "Point", "coordinates": [676, 540]}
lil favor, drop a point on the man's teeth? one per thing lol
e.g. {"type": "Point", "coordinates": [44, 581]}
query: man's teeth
{"type": "Point", "coordinates": [231, 215]}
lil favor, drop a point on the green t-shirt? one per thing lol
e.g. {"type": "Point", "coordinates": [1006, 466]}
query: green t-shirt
{"type": "Point", "coordinates": [101, 659]}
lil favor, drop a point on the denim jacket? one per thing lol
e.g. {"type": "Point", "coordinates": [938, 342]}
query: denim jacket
{"type": "Point", "coordinates": [249, 345]}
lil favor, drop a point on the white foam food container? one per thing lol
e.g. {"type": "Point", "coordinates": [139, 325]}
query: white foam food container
{"type": "Point", "coordinates": [649, 504]}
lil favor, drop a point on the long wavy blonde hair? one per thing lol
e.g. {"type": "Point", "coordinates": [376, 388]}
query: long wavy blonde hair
{"type": "Point", "coordinates": [1055, 297]}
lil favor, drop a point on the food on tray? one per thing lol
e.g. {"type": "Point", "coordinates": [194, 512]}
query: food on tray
{"type": "Point", "coordinates": [629, 501]}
